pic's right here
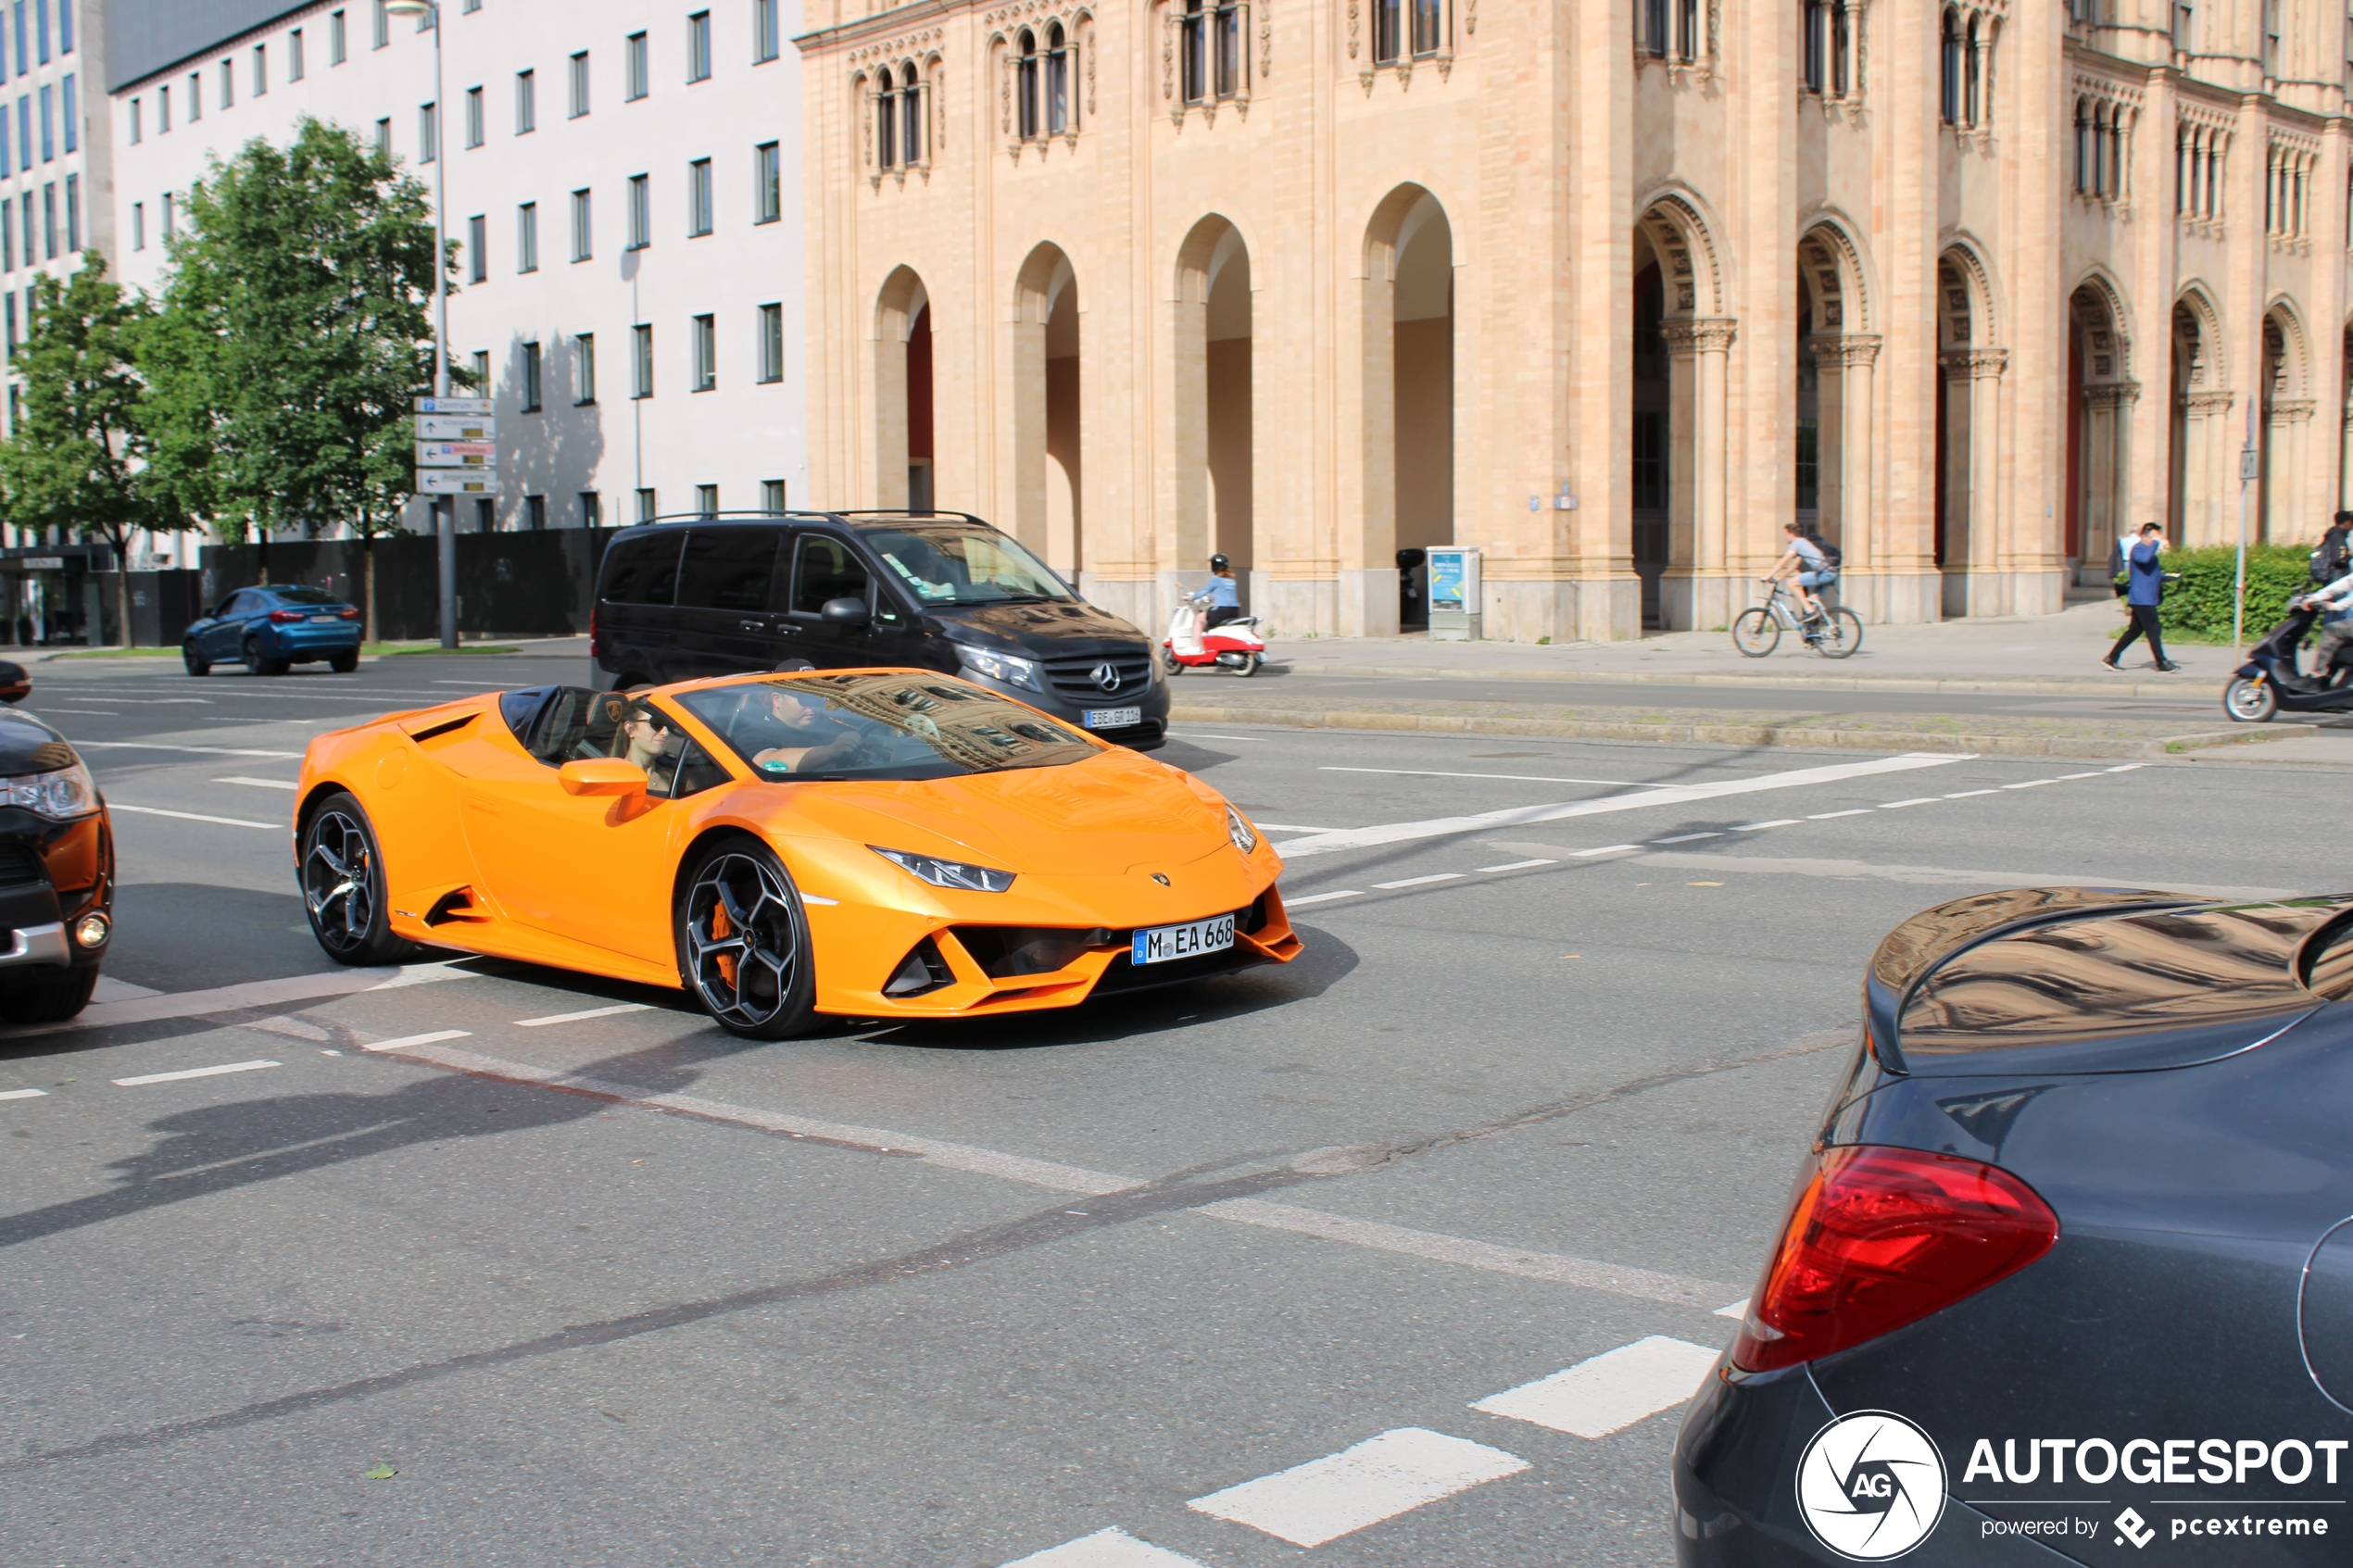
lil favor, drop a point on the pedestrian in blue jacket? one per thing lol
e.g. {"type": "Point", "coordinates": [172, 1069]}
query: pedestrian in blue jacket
{"type": "Point", "coordinates": [2145, 585]}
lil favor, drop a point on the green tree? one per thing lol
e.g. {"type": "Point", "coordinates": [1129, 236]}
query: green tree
{"type": "Point", "coordinates": [79, 458]}
{"type": "Point", "coordinates": [294, 330]}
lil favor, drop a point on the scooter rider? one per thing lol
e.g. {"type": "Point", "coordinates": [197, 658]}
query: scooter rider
{"type": "Point", "coordinates": [1224, 592]}
{"type": "Point", "coordinates": [2337, 627]}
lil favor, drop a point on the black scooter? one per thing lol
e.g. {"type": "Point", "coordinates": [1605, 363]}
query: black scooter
{"type": "Point", "coordinates": [2268, 682]}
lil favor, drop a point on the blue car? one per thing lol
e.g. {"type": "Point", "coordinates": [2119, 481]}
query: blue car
{"type": "Point", "coordinates": [268, 629]}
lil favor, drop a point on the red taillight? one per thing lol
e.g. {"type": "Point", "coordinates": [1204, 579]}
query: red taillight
{"type": "Point", "coordinates": [347, 614]}
{"type": "Point", "coordinates": [1880, 1237]}
{"type": "Point", "coordinates": [283, 616]}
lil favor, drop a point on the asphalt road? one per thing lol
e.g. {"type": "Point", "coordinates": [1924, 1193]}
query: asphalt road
{"type": "Point", "coordinates": [916, 1298]}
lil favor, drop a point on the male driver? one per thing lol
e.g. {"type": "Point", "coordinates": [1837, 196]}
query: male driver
{"type": "Point", "coordinates": [1803, 563]}
{"type": "Point", "coordinates": [2144, 584]}
{"type": "Point", "coordinates": [1224, 592]}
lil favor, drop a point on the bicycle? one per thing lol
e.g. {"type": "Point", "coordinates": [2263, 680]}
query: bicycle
{"type": "Point", "coordinates": [1758, 630]}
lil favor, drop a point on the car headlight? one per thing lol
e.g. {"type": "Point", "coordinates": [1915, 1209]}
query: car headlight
{"type": "Point", "coordinates": [948, 874]}
{"type": "Point", "coordinates": [1239, 831]}
{"type": "Point", "coordinates": [1006, 667]}
{"type": "Point", "coordinates": [64, 794]}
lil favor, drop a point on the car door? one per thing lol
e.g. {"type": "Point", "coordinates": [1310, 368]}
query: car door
{"type": "Point", "coordinates": [722, 611]}
{"type": "Point", "coordinates": [224, 639]}
{"type": "Point", "coordinates": [825, 567]}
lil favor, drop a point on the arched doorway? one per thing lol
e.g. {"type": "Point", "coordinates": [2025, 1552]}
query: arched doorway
{"type": "Point", "coordinates": [1695, 579]}
{"type": "Point", "coordinates": [1830, 489]}
{"type": "Point", "coordinates": [2281, 511]}
{"type": "Point", "coordinates": [2100, 395]}
{"type": "Point", "coordinates": [1422, 393]}
{"type": "Point", "coordinates": [1212, 412]}
{"type": "Point", "coordinates": [903, 443]}
{"type": "Point", "coordinates": [1650, 398]}
{"type": "Point", "coordinates": [2199, 474]}
{"type": "Point", "coordinates": [1048, 480]}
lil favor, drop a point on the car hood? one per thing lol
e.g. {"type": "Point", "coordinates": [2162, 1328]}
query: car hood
{"type": "Point", "coordinates": [1102, 816]}
{"type": "Point", "coordinates": [2089, 980]}
{"type": "Point", "coordinates": [1069, 627]}
{"type": "Point", "coordinates": [28, 746]}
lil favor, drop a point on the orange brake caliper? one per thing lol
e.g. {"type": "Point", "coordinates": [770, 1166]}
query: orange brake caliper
{"type": "Point", "coordinates": [720, 928]}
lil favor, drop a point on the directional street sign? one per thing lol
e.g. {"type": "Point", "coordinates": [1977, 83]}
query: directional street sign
{"type": "Point", "coordinates": [456, 427]}
{"type": "Point", "coordinates": [457, 482]}
{"type": "Point", "coordinates": [453, 404]}
{"type": "Point", "coordinates": [456, 454]}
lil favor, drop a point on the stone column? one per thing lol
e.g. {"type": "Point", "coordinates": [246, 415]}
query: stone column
{"type": "Point", "coordinates": [1847, 360]}
{"type": "Point", "coordinates": [1701, 347]}
{"type": "Point", "coordinates": [2205, 465]}
{"type": "Point", "coordinates": [1992, 586]}
{"type": "Point", "coordinates": [2292, 518]}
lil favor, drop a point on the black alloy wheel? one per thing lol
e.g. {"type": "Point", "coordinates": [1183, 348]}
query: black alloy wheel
{"type": "Point", "coordinates": [344, 663]}
{"type": "Point", "coordinates": [196, 666]}
{"type": "Point", "coordinates": [256, 665]}
{"type": "Point", "coordinates": [49, 1001]}
{"type": "Point", "coordinates": [743, 941]}
{"type": "Point", "coordinates": [342, 886]}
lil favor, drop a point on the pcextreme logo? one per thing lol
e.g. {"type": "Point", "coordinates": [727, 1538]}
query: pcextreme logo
{"type": "Point", "coordinates": [1870, 1486]}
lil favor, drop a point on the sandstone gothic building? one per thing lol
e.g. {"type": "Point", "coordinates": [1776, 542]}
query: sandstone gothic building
{"type": "Point", "coordinates": [1612, 289]}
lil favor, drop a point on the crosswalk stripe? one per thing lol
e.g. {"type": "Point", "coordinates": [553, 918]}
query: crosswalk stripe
{"type": "Point", "coordinates": [1611, 1391]}
{"type": "Point", "coordinates": [1114, 1547]}
{"type": "Point", "coordinates": [1376, 1479]}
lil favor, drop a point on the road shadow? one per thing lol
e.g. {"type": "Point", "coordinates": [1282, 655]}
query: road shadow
{"type": "Point", "coordinates": [189, 936]}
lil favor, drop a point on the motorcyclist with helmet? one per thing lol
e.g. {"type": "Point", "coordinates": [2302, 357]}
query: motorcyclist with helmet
{"type": "Point", "coordinates": [1224, 592]}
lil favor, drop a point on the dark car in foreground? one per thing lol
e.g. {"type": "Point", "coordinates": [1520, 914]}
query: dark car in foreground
{"type": "Point", "coordinates": [56, 868]}
{"type": "Point", "coordinates": [274, 627]}
{"type": "Point", "coordinates": [2068, 1275]}
{"type": "Point", "coordinates": [743, 594]}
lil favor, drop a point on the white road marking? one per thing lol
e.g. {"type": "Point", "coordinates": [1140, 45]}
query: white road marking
{"type": "Point", "coordinates": [86, 712]}
{"type": "Point", "coordinates": [1968, 794]}
{"type": "Point", "coordinates": [1418, 880]}
{"type": "Point", "coordinates": [1916, 800]}
{"type": "Point", "coordinates": [1606, 849]}
{"type": "Point", "coordinates": [25, 1094]}
{"type": "Point", "coordinates": [109, 989]}
{"type": "Point", "coordinates": [1642, 1284]}
{"type": "Point", "coordinates": [1518, 865]}
{"type": "Point", "coordinates": [1678, 795]}
{"type": "Point", "coordinates": [1686, 837]}
{"type": "Point", "coordinates": [193, 1073]}
{"type": "Point", "coordinates": [253, 994]}
{"type": "Point", "coordinates": [2031, 784]}
{"type": "Point", "coordinates": [263, 783]}
{"type": "Point", "coordinates": [410, 1042]}
{"type": "Point", "coordinates": [204, 750]}
{"type": "Point", "coordinates": [1322, 898]}
{"type": "Point", "coordinates": [195, 817]}
{"type": "Point", "coordinates": [1609, 1392]}
{"type": "Point", "coordinates": [2124, 768]}
{"type": "Point", "coordinates": [1376, 1479]}
{"type": "Point", "coordinates": [1775, 823]}
{"type": "Point", "coordinates": [1295, 827]}
{"type": "Point", "coordinates": [1114, 1547]}
{"type": "Point", "coordinates": [583, 1017]}
{"type": "Point", "coordinates": [1736, 1311]}
{"type": "Point", "coordinates": [1516, 778]}
{"type": "Point", "coordinates": [2095, 773]}
{"type": "Point", "coordinates": [1851, 812]}
{"type": "Point", "coordinates": [1197, 734]}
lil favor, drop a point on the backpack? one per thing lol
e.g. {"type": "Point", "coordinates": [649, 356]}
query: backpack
{"type": "Point", "coordinates": [1830, 556]}
{"type": "Point", "coordinates": [2330, 560]}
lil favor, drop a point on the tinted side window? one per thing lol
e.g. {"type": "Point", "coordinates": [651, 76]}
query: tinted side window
{"type": "Point", "coordinates": [576, 723]}
{"type": "Point", "coordinates": [696, 773]}
{"type": "Point", "coordinates": [824, 569]}
{"type": "Point", "coordinates": [240, 603]}
{"type": "Point", "coordinates": [643, 570]}
{"type": "Point", "coordinates": [728, 567]}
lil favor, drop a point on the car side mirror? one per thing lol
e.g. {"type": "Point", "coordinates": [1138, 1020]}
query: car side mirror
{"type": "Point", "coordinates": [846, 612]}
{"type": "Point", "coordinates": [15, 684]}
{"type": "Point", "coordinates": [603, 776]}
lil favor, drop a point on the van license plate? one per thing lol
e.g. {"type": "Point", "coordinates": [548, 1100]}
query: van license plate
{"type": "Point", "coordinates": [1190, 940]}
{"type": "Point", "coordinates": [1112, 718]}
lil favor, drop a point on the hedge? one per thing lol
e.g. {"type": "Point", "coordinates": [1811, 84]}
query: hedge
{"type": "Point", "coordinates": [2199, 606]}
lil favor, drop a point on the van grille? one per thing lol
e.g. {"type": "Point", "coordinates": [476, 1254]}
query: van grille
{"type": "Point", "coordinates": [1075, 678]}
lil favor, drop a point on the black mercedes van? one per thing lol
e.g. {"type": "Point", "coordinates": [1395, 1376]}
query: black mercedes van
{"type": "Point", "coordinates": [682, 599]}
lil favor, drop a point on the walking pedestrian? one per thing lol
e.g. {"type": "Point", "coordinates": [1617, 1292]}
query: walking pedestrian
{"type": "Point", "coordinates": [2143, 587]}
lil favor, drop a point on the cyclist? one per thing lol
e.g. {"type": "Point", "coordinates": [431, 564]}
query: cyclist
{"type": "Point", "coordinates": [1804, 565]}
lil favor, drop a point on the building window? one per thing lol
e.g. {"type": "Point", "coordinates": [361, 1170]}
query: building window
{"type": "Point", "coordinates": [1816, 44]}
{"type": "Point", "coordinates": [763, 32]}
{"type": "Point", "coordinates": [1949, 78]}
{"type": "Point", "coordinates": [73, 211]}
{"type": "Point", "coordinates": [477, 250]}
{"type": "Point", "coordinates": [1193, 46]}
{"type": "Point", "coordinates": [706, 353]}
{"type": "Point", "coordinates": [482, 372]}
{"type": "Point", "coordinates": [699, 46]}
{"type": "Point", "coordinates": [771, 494]}
{"type": "Point", "coordinates": [383, 138]}
{"type": "Point", "coordinates": [527, 237]}
{"type": "Point", "coordinates": [887, 118]}
{"type": "Point", "coordinates": [72, 114]}
{"type": "Point", "coordinates": [49, 222]}
{"type": "Point", "coordinates": [642, 342]}
{"type": "Point", "coordinates": [531, 378]}
{"type": "Point", "coordinates": [1025, 69]}
{"type": "Point", "coordinates": [579, 84]}
{"type": "Point", "coordinates": [1972, 95]}
{"type": "Point", "coordinates": [260, 69]}
{"type": "Point", "coordinates": [583, 371]}
{"type": "Point", "coordinates": [767, 183]}
{"type": "Point", "coordinates": [469, 8]}
{"type": "Point", "coordinates": [1058, 118]}
{"type": "Point", "coordinates": [337, 50]}
{"type": "Point", "coordinates": [647, 510]}
{"type": "Point", "coordinates": [169, 212]}
{"type": "Point", "coordinates": [535, 513]}
{"type": "Point", "coordinates": [40, 32]}
{"type": "Point", "coordinates": [163, 118]}
{"type": "Point", "coordinates": [5, 168]}
{"type": "Point", "coordinates": [49, 120]}
{"type": "Point", "coordinates": [135, 137]}
{"type": "Point", "coordinates": [428, 140]}
{"type": "Point", "coordinates": [380, 32]}
{"type": "Point", "coordinates": [698, 197]}
{"type": "Point", "coordinates": [526, 102]}
{"type": "Point", "coordinates": [11, 313]}
{"type": "Point", "coordinates": [772, 342]}
{"type": "Point", "coordinates": [582, 227]}
{"type": "Point", "coordinates": [641, 212]}
{"type": "Point", "coordinates": [1428, 29]}
{"type": "Point", "coordinates": [707, 500]}
{"type": "Point", "coordinates": [2271, 38]}
{"type": "Point", "coordinates": [293, 56]}
{"type": "Point", "coordinates": [228, 84]}
{"type": "Point", "coordinates": [65, 27]}
{"type": "Point", "coordinates": [592, 509]}
{"type": "Point", "coordinates": [633, 55]}
{"type": "Point", "coordinates": [473, 117]}
{"type": "Point", "coordinates": [9, 234]}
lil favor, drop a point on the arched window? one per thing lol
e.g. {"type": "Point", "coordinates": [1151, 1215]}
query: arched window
{"type": "Point", "coordinates": [2082, 146]}
{"type": "Point", "coordinates": [886, 121]}
{"type": "Point", "coordinates": [1951, 75]}
{"type": "Point", "coordinates": [1971, 107]}
{"type": "Point", "coordinates": [1654, 27]}
{"type": "Point", "coordinates": [1692, 44]}
{"type": "Point", "coordinates": [2116, 151]}
{"type": "Point", "coordinates": [1057, 79]}
{"type": "Point", "coordinates": [1388, 28]}
{"type": "Point", "coordinates": [1196, 52]}
{"type": "Point", "coordinates": [1841, 48]}
{"type": "Point", "coordinates": [1025, 88]}
{"type": "Point", "coordinates": [911, 117]}
{"type": "Point", "coordinates": [1815, 43]}
{"type": "Point", "coordinates": [1229, 49]}
{"type": "Point", "coordinates": [2099, 149]}
{"type": "Point", "coordinates": [1427, 28]}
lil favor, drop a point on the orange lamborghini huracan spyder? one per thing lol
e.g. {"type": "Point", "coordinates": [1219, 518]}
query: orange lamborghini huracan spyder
{"type": "Point", "coordinates": [874, 842]}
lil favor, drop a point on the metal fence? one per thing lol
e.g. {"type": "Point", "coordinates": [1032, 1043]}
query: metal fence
{"type": "Point", "coordinates": [540, 584]}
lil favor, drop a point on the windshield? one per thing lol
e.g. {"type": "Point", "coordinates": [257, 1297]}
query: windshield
{"type": "Point", "coordinates": [901, 725]}
{"type": "Point", "coordinates": [963, 566]}
{"type": "Point", "coordinates": [305, 596]}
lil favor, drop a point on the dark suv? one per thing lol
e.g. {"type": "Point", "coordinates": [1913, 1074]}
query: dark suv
{"type": "Point", "coordinates": [682, 599]}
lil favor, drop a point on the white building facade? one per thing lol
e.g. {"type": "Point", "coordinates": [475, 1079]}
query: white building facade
{"type": "Point", "coordinates": [56, 200]}
{"type": "Point", "coordinates": [623, 184]}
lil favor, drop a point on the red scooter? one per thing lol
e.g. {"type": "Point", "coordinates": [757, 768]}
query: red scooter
{"type": "Point", "coordinates": [1192, 643]}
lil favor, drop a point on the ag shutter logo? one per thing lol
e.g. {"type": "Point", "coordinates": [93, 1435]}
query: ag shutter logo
{"type": "Point", "coordinates": [1870, 1486]}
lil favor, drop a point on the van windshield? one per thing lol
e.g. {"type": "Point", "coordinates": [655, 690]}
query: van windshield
{"type": "Point", "coordinates": [898, 725]}
{"type": "Point", "coordinates": [963, 566]}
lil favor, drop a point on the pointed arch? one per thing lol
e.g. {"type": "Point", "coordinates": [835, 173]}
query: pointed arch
{"type": "Point", "coordinates": [900, 375]}
{"type": "Point", "coordinates": [1681, 230]}
{"type": "Point", "coordinates": [1840, 289]}
{"type": "Point", "coordinates": [1043, 361]}
{"type": "Point", "coordinates": [1214, 408]}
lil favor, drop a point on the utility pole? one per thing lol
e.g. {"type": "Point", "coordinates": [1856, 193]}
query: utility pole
{"type": "Point", "coordinates": [444, 506]}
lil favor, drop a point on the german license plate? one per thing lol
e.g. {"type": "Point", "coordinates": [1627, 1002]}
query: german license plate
{"type": "Point", "coordinates": [1112, 718]}
{"type": "Point", "coordinates": [1162, 943]}
{"type": "Point", "coordinates": [325, 620]}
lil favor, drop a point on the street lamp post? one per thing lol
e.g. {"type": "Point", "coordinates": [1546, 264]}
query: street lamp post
{"type": "Point", "coordinates": [444, 507]}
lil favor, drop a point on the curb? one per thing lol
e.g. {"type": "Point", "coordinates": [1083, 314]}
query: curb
{"type": "Point", "coordinates": [2064, 686]}
{"type": "Point", "coordinates": [1751, 734]}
